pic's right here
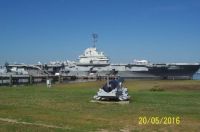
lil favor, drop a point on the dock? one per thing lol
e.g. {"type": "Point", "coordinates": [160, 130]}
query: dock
{"type": "Point", "coordinates": [10, 80]}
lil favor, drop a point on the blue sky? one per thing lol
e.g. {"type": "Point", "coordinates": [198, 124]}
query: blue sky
{"type": "Point", "coordinates": [44, 30]}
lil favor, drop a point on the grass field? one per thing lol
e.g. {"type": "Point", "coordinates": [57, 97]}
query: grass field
{"type": "Point", "coordinates": [67, 107]}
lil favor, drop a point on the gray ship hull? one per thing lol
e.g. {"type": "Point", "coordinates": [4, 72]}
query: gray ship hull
{"type": "Point", "coordinates": [156, 71]}
{"type": "Point", "coordinates": [137, 75]}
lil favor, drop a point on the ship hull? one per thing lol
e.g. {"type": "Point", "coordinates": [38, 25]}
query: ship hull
{"type": "Point", "coordinates": [185, 71]}
{"type": "Point", "coordinates": [155, 71]}
{"type": "Point", "coordinates": [137, 75]}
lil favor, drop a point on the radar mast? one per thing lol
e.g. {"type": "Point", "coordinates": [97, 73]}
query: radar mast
{"type": "Point", "coordinates": [94, 36]}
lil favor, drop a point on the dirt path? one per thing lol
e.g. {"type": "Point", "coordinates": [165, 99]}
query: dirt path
{"type": "Point", "coordinates": [28, 123]}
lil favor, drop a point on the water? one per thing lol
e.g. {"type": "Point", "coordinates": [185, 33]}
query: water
{"type": "Point", "coordinates": [196, 76]}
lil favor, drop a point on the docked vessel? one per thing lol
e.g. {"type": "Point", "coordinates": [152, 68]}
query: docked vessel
{"type": "Point", "coordinates": [95, 63]}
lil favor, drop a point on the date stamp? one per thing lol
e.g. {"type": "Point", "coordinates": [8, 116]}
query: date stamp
{"type": "Point", "coordinates": [156, 120]}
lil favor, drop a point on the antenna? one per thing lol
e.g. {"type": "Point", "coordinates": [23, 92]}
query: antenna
{"type": "Point", "coordinates": [94, 36]}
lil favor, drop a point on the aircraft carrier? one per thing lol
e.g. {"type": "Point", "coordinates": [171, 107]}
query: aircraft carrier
{"type": "Point", "coordinates": [93, 63]}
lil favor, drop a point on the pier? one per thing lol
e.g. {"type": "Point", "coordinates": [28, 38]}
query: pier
{"type": "Point", "coordinates": [10, 80]}
{"type": "Point", "coordinates": [30, 79]}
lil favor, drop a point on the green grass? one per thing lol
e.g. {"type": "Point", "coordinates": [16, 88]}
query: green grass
{"type": "Point", "coordinates": [68, 106]}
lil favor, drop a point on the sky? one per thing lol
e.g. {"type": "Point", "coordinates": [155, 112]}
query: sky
{"type": "Point", "coordinates": [50, 30]}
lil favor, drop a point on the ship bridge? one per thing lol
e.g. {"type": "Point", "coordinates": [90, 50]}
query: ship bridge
{"type": "Point", "coordinates": [93, 56]}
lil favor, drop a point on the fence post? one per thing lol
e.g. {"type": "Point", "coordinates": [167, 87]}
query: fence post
{"type": "Point", "coordinates": [59, 78]}
{"type": "Point", "coordinates": [1, 80]}
{"type": "Point", "coordinates": [10, 78]}
{"type": "Point", "coordinates": [31, 79]}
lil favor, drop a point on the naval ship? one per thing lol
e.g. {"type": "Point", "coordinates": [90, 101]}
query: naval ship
{"type": "Point", "coordinates": [95, 63]}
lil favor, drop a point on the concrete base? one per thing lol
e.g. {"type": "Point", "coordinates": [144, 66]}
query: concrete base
{"type": "Point", "coordinates": [110, 102]}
